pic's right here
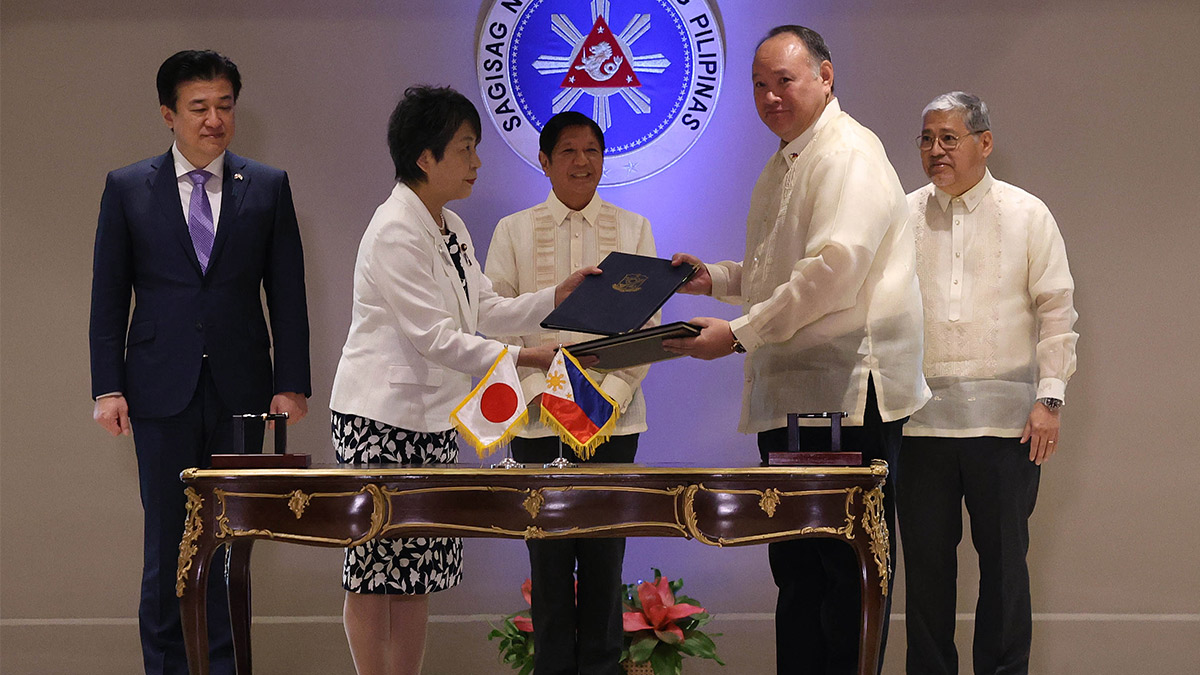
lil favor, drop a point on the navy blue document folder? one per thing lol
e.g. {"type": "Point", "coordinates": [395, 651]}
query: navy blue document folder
{"type": "Point", "coordinates": [620, 300]}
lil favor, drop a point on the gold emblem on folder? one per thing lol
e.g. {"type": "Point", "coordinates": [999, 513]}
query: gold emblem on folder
{"type": "Point", "coordinates": [632, 283]}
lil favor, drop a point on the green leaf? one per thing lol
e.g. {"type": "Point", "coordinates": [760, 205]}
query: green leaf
{"type": "Point", "coordinates": [641, 648]}
{"type": "Point", "coordinates": [693, 622]}
{"type": "Point", "coordinates": [699, 644]}
{"type": "Point", "coordinates": [667, 637]}
{"type": "Point", "coordinates": [666, 660]}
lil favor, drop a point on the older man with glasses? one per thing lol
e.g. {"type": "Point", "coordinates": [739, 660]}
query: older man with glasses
{"type": "Point", "coordinates": [999, 349]}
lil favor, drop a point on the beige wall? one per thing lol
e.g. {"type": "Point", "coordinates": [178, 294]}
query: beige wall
{"type": "Point", "coordinates": [1094, 109]}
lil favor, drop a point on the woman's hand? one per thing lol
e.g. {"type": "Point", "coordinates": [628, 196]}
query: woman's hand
{"type": "Point", "coordinates": [572, 282]}
{"type": "Point", "coordinates": [542, 356]}
{"type": "Point", "coordinates": [537, 357]}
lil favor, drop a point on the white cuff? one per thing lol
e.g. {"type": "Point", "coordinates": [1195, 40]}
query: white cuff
{"type": "Point", "coordinates": [1051, 387]}
{"type": "Point", "coordinates": [618, 390]}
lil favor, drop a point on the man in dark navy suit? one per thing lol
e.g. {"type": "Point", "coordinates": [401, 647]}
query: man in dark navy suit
{"type": "Point", "coordinates": [195, 235]}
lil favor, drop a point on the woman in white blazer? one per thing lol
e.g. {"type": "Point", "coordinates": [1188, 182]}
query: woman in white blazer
{"type": "Point", "coordinates": [420, 299]}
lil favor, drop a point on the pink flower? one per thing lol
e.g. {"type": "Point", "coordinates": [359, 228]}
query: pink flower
{"type": "Point", "coordinates": [522, 622]}
{"type": "Point", "coordinates": [659, 612]}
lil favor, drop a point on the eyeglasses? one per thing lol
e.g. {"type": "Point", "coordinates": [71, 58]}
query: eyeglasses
{"type": "Point", "coordinates": [948, 141]}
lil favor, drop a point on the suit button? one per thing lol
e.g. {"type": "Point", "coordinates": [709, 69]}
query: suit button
{"type": "Point", "coordinates": [199, 325]}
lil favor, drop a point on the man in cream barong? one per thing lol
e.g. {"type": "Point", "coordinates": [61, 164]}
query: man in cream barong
{"type": "Point", "coordinates": [999, 349]}
{"type": "Point", "coordinates": [577, 629]}
{"type": "Point", "coordinates": [832, 321]}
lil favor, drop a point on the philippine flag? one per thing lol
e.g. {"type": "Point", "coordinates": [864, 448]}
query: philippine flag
{"type": "Point", "coordinates": [494, 410]}
{"type": "Point", "coordinates": [578, 410]}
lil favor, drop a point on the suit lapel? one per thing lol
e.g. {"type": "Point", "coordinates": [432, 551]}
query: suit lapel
{"type": "Point", "coordinates": [465, 314]}
{"type": "Point", "coordinates": [164, 186]}
{"type": "Point", "coordinates": [405, 195]}
{"type": "Point", "coordinates": [233, 189]}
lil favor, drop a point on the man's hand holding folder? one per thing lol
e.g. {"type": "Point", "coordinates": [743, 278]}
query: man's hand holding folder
{"type": "Point", "coordinates": [716, 338]}
{"type": "Point", "coordinates": [634, 287]}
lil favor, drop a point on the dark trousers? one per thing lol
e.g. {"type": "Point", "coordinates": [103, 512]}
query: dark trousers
{"type": "Point", "coordinates": [818, 613]}
{"type": "Point", "coordinates": [166, 446]}
{"type": "Point", "coordinates": [999, 485]}
{"type": "Point", "coordinates": [576, 628]}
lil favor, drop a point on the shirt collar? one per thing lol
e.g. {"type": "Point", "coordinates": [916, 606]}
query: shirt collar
{"type": "Point", "coordinates": [560, 212]}
{"type": "Point", "coordinates": [791, 151]}
{"type": "Point", "coordinates": [970, 198]}
{"type": "Point", "coordinates": [408, 198]}
{"type": "Point", "coordinates": [182, 166]}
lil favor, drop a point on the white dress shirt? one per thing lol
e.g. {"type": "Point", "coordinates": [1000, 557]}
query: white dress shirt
{"type": "Point", "coordinates": [999, 310]}
{"type": "Point", "coordinates": [212, 187]}
{"type": "Point", "coordinates": [828, 283]}
{"type": "Point", "coordinates": [537, 248]}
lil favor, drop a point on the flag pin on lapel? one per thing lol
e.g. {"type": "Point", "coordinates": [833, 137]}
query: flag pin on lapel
{"type": "Point", "coordinates": [237, 176]}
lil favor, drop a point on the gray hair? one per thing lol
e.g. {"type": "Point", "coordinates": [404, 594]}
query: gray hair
{"type": "Point", "coordinates": [974, 111]}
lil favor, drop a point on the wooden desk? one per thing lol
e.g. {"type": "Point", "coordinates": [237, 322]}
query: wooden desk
{"type": "Point", "coordinates": [345, 506]}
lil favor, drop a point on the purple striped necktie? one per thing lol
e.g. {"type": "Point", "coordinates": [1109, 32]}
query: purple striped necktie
{"type": "Point", "coordinates": [200, 218]}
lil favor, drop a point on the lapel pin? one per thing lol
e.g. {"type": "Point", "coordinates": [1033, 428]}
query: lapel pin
{"type": "Point", "coordinates": [237, 176]}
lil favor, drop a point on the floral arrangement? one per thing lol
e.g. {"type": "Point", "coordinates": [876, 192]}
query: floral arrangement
{"type": "Point", "coordinates": [660, 628]}
{"type": "Point", "coordinates": [516, 636]}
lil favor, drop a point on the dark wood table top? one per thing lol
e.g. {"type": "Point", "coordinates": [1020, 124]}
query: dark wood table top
{"type": "Point", "coordinates": [345, 505]}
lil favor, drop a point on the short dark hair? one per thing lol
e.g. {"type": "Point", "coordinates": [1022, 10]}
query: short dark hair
{"type": "Point", "coordinates": [426, 118]}
{"type": "Point", "coordinates": [812, 41]}
{"type": "Point", "coordinates": [560, 123]}
{"type": "Point", "coordinates": [194, 64]}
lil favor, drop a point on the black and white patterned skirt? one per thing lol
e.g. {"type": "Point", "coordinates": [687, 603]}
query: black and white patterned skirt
{"type": "Point", "coordinates": [405, 566]}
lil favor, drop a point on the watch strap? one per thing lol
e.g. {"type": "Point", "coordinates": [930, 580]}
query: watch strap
{"type": "Point", "coordinates": [1051, 402]}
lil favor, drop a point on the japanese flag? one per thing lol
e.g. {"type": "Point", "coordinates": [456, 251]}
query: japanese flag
{"type": "Point", "coordinates": [495, 410]}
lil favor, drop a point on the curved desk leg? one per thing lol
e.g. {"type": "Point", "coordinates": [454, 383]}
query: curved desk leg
{"type": "Point", "coordinates": [195, 559]}
{"type": "Point", "coordinates": [237, 576]}
{"type": "Point", "coordinates": [872, 613]}
{"type": "Point", "coordinates": [873, 551]}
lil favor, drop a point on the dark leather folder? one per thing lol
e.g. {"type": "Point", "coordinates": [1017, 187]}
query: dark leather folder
{"type": "Point", "coordinates": [622, 299]}
{"type": "Point", "coordinates": [633, 349]}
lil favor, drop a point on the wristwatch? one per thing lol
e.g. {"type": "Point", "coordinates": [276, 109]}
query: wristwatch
{"type": "Point", "coordinates": [1051, 403]}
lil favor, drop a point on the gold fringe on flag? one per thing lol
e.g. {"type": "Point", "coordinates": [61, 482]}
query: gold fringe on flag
{"type": "Point", "coordinates": [584, 451]}
{"type": "Point", "coordinates": [483, 450]}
